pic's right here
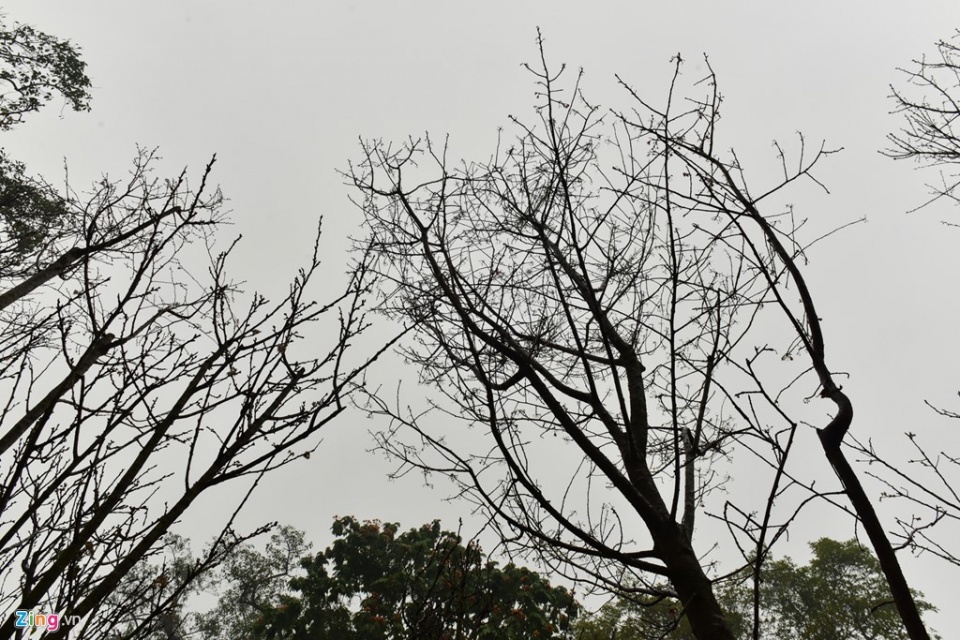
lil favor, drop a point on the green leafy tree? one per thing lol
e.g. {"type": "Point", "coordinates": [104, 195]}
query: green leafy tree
{"type": "Point", "coordinates": [246, 580]}
{"type": "Point", "coordinates": [34, 66]}
{"type": "Point", "coordinates": [30, 212]}
{"type": "Point", "coordinates": [840, 595]}
{"type": "Point", "coordinates": [377, 583]}
{"type": "Point", "coordinates": [651, 617]}
{"type": "Point", "coordinates": [250, 585]}
{"type": "Point", "coordinates": [372, 583]}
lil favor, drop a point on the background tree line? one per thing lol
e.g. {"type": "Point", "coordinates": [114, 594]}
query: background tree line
{"type": "Point", "coordinates": [376, 582]}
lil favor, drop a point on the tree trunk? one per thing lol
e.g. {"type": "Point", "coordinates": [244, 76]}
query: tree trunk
{"type": "Point", "coordinates": [902, 597]}
{"type": "Point", "coordinates": [694, 588]}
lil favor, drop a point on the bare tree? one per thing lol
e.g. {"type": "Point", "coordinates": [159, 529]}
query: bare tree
{"type": "Point", "coordinates": [606, 324]}
{"type": "Point", "coordinates": [922, 477]}
{"type": "Point", "coordinates": [930, 105]}
{"type": "Point", "coordinates": [134, 374]}
{"type": "Point", "coordinates": [129, 380]}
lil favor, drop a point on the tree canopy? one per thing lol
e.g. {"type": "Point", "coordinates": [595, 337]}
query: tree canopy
{"type": "Point", "coordinates": [375, 582]}
{"type": "Point", "coordinates": [421, 583]}
{"type": "Point", "coordinates": [604, 282]}
{"type": "Point", "coordinates": [34, 67]}
{"type": "Point", "coordinates": [840, 595]}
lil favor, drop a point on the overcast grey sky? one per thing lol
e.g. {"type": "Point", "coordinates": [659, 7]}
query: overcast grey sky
{"type": "Point", "coordinates": [282, 91]}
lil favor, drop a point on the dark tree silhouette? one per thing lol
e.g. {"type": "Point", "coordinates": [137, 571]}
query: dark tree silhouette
{"type": "Point", "coordinates": [134, 374]}
{"type": "Point", "coordinates": [840, 594]}
{"type": "Point", "coordinates": [598, 287]}
{"type": "Point", "coordinates": [929, 102]}
{"type": "Point", "coordinates": [923, 478]}
{"type": "Point", "coordinates": [376, 582]}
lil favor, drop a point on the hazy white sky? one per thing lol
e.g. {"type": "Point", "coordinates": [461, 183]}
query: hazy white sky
{"type": "Point", "coordinates": [282, 91]}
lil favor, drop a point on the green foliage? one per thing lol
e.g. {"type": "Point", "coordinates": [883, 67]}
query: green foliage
{"type": "Point", "coordinates": [651, 618]}
{"type": "Point", "coordinates": [372, 583]}
{"type": "Point", "coordinates": [840, 595]}
{"type": "Point", "coordinates": [375, 583]}
{"type": "Point", "coordinates": [156, 594]}
{"type": "Point", "coordinates": [250, 584]}
{"type": "Point", "coordinates": [28, 212]}
{"type": "Point", "coordinates": [146, 589]}
{"type": "Point", "coordinates": [34, 66]}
